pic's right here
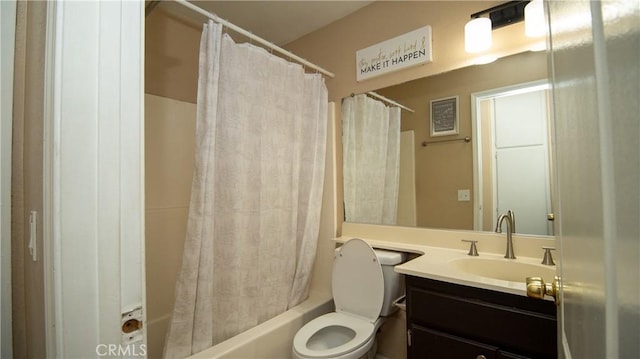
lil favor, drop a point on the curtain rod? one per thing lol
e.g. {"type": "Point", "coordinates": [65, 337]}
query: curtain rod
{"type": "Point", "coordinates": [390, 101]}
{"type": "Point", "coordinates": [254, 37]}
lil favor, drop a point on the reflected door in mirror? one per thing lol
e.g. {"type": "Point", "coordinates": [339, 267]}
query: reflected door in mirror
{"type": "Point", "coordinates": [520, 177]}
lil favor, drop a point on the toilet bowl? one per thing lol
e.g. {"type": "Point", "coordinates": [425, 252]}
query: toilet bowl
{"type": "Point", "coordinates": [334, 335]}
{"type": "Point", "coordinates": [364, 287]}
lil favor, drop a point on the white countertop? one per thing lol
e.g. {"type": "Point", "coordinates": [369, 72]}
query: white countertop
{"type": "Point", "coordinates": [436, 263]}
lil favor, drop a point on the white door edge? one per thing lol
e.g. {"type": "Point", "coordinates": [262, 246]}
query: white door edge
{"type": "Point", "coordinates": [94, 177]}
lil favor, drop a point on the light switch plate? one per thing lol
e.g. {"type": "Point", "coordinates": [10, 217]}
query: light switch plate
{"type": "Point", "coordinates": [464, 195]}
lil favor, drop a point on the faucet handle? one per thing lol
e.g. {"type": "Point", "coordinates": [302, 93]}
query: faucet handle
{"type": "Point", "coordinates": [548, 259]}
{"type": "Point", "coordinates": [473, 250]}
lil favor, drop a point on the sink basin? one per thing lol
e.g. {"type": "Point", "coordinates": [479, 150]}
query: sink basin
{"type": "Point", "coordinates": [504, 269]}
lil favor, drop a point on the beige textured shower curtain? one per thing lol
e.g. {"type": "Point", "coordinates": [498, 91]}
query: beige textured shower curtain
{"type": "Point", "coordinates": [371, 152]}
{"type": "Point", "coordinates": [256, 193]}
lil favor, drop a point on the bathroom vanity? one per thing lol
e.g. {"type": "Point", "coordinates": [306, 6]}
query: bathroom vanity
{"type": "Point", "coordinates": [464, 306]}
{"type": "Point", "coordinates": [446, 320]}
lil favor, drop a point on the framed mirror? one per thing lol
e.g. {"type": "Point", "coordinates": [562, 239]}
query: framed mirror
{"type": "Point", "coordinates": [437, 187]}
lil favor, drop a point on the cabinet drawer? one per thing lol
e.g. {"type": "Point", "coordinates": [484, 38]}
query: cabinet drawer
{"type": "Point", "coordinates": [428, 343]}
{"type": "Point", "coordinates": [503, 326]}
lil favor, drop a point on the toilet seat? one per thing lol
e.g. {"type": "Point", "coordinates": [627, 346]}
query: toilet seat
{"type": "Point", "coordinates": [364, 333]}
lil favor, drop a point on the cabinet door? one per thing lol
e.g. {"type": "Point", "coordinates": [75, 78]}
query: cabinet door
{"type": "Point", "coordinates": [428, 343]}
{"type": "Point", "coordinates": [516, 323]}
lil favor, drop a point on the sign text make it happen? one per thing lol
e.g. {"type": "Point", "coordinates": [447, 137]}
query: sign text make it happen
{"type": "Point", "coordinates": [410, 49]}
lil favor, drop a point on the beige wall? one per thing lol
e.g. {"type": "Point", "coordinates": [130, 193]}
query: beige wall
{"type": "Point", "coordinates": [407, 184]}
{"type": "Point", "coordinates": [171, 75]}
{"type": "Point", "coordinates": [169, 158]}
{"type": "Point", "coordinates": [171, 56]}
{"type": "Point", "coordinates": [27, 276]}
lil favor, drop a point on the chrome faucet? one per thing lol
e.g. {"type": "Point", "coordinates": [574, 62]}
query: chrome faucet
{"type": "Point", "coordinates": [512, 217]}
{"type": "Point", "coordinates": [509, 254]}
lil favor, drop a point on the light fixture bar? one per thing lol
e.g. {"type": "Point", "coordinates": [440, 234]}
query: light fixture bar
{"type": "Point", "coordinates": [505, 14]}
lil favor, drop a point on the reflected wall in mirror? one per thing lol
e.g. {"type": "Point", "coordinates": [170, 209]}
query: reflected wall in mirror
{"type": "Point", "coordinates": [445, 170]}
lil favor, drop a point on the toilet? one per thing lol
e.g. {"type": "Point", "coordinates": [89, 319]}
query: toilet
{"type": "Point", "coordinates": [364, 288]}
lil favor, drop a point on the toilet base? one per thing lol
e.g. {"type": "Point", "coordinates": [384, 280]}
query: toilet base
{"type": "Point", "coordinates": [371, 354]}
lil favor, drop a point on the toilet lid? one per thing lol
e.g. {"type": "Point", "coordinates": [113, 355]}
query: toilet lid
{"type": "Point", "coordinates": [357, 282]}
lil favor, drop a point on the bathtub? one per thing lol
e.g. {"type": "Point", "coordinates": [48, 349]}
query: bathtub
{"type": "Point", "coordinates": [273, 338]}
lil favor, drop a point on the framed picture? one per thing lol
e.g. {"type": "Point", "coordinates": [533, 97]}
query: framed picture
{"type": "Point", "coordinates": [444, 116]}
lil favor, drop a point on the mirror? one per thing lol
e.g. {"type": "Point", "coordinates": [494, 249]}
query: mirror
{"type": "Point", "coordinates": [437, 187]}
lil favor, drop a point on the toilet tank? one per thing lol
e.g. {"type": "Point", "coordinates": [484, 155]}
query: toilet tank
{"type": "Point", "coordinates": [393, 282]}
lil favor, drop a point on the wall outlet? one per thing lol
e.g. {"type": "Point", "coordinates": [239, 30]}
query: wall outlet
{"type": "Point", "coordinates": [464, 195]}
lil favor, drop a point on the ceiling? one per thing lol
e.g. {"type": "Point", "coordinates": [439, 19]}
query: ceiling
{"type": "Point", "coordinates": [279, 22]}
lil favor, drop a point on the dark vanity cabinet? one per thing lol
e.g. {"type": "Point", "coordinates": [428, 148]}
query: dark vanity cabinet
{"type": "Point", "coordinates": [446, 320]}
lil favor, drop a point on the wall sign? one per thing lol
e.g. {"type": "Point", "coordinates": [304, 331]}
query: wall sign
{"type": "Point", "coordinates": [407, 50]}
{"type": "Point", "coordinates": [444, 116]}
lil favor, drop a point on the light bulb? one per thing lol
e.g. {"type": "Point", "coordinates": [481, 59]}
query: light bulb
{"type": "Point", "coordinates": [477, 35]}
{"type": "Point", "coordinates": [534, 24]}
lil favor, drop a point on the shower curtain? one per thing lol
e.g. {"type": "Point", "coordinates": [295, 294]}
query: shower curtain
{"type": "Point", "coordinates": [256, 193]}
{"type": "Point", "coordinates": [371, 152]}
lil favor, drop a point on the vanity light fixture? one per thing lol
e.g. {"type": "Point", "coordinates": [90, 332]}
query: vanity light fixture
{"type": "Point", "coordinates": [477, 32]}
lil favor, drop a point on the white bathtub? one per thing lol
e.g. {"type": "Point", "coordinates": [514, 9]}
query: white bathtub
{"type": "Point", "coordinates": [273, 338]}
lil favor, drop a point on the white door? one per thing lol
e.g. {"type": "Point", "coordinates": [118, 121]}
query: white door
{"type": "Point", "coordinates": [596, 87]}
{"type": "Point", "coordinates": [94, 192]}
{"type": "Point", "coordinates": [522, 182]}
